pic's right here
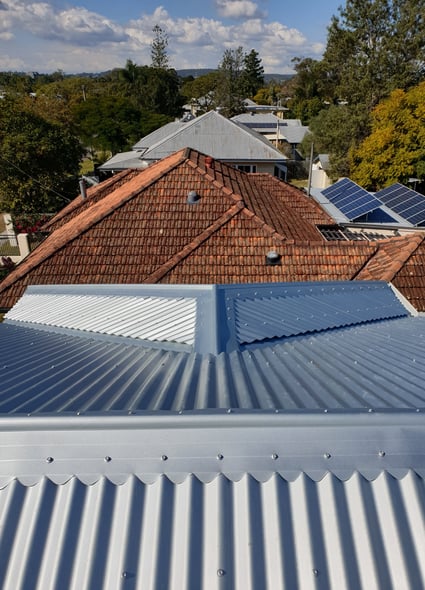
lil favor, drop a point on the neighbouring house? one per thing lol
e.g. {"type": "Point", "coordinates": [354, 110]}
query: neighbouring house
{"type": "Point", "coordinates": [191, 219]}
{"type": "Point", "coordinates": [289, 132]}
{"type": "Point", "coordinates": [265, 436]}
{"type": "Point", "coordinates": [211, 134]}
{"type": "Point", "coordinates": [320, 169]}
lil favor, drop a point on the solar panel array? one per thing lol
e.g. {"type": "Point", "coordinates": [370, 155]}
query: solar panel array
{"type": "Point", "coordinates": [351, 199]}
{"type": "Point", "coordinates": [404, 201]}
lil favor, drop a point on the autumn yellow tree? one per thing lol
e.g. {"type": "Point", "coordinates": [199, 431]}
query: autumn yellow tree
{"type": "Point", "coordinates": [395, 149]}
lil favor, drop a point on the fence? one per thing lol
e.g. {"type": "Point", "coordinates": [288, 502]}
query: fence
{"type": "Point", "coordinates": [9, 245]}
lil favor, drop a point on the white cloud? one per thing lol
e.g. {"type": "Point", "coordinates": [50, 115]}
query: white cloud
{"type": "Point", "coordinates": [238, 9]}
{"type": "Point", "coordinates": [74, 25]}
{"type": "Point", "coordinates": [11, 64]}
{"type": "Point", "coordinates": [44, 36]}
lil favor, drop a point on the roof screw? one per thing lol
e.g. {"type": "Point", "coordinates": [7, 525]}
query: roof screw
{"type": "Point", "coordinates": [164, 457]}
{"type": "Point", "coordinates": [316, 572]}
{"type": "Point", "coordinates": [220, 457]}
{"type": "Point", "coordinates": [130, 412]}
{"type": "Point", "coordinates": [275, 456]}
{"type": "Point", "coordinates": [49, 460]}
{"type": "Point", "coordinates": [221, 573]}
{"type": "Point", "coordinates": [107, 459]}
{"type": "Point", "coordinates": [325, 411]}
{"type": "Point", "coordinates": [229, 411]}
{"type": "Point", "coordinates": [381, 453]}
{"type": "Point", "coordinates": [327, 455]}
{"type": "Point", "coordinates": [370, 410]}
{"type": "Point", "coordinates": [124, 575]}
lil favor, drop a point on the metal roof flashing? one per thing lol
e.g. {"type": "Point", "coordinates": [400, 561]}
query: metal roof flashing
{"type": "Point", "coordinates": [259, 444]}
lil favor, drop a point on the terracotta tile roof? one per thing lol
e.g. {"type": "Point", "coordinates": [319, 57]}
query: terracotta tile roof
{"type": "Point", "coordinates": [139, 227]}
{"type": "Point", "coordinates": [391, 255]}
{"type": "Point", "coordinates": [94, 194]}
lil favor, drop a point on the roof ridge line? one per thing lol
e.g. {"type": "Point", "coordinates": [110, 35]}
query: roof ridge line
{"type": "Point", "coordinates": [59, 241]}
{"type": "Point", "coordinates": [91, 192]}
{"type": "Point", "coordinates": [413, 242]}
{"type": "Point", "coordinates": [172, 262]}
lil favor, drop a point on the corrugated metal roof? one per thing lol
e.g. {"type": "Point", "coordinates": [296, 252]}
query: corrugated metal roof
{"type": "Point", "coordinates": [379, 365]}
{"type": "Point", "coordinates": [299, 309]}
{"type": "Point", "coordinates": [147, 318]}
{"type": "Point", "coordinates": [211, 319]}
{"type": "Point", "coordinates": [292, 465]}
{"type": "Point", "coordinates": [333, 535]}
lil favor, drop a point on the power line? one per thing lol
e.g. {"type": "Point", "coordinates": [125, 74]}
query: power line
{"type": "Point", "coordinates": [35, 180]}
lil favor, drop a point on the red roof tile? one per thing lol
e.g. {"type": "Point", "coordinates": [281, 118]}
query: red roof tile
{"type": "Point", "coordinates": [139, 227]}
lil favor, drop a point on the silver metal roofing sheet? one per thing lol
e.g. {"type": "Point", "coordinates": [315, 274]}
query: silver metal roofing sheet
{"type": "Point", "coordinates": [149, 445]}
{"type": "Point", "coordinates": [206, 134]}
{"type": "Point", "coordinates": [377, 365]}
{"type": "Point", "coordinates": [299, 309]}
{"type": "Point", "coordinates": [354, 535]}
{"type": "Point", "coordinates": [147, 318]}
{"type": "Point", "coordinates": [158, 134]}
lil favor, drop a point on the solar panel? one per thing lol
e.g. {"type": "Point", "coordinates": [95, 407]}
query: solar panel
{"type": "Point", "coordinates": [351, 199]}
{"type": "Point", "coordinates": [404, 201]}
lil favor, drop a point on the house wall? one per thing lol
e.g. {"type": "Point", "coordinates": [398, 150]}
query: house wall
{"type": "Point", "coordinates": [319, 179]}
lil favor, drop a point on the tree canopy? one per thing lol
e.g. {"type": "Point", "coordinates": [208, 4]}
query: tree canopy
{"type": "Point", "coordinates": [39, 161]}
{"type": "Point", "coordinates": [374, 47]}
{"type": "Point", "coordinates": [159, 46]}
{"type": "Point", "coordinates": [395, 149]}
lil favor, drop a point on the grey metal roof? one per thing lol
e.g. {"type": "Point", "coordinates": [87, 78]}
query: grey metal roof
{"type": "Point", "coordinates": [212, 134]}
{"type": "Point", "coordinates": [293, 133]}
{"type": "Point", "coordinates": [168, 319]}
{"type": "Point", "coordinates": [216, 502]}
{"type": "Point", "coordinates": [217, 535]}
{"type": "Point", "coordinates": [247, 361]}
{"type": "Point", "coordinates": [209, 318]}
{"type": "Point", "coordinates": [158, 135]}
{"type": "Point", "coordinates": [283, 461]}
{"type": "Point", "coordinates": [124, 160]}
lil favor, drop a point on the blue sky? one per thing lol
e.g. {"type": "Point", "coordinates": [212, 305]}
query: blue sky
{"type": "Point", "coordinates": [96, 35]}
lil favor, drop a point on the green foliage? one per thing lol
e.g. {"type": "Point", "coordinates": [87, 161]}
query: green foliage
{"type": "Point", "coordinates": [337, 130]}
{"type": "Point", "coordinates": [229, 94]}
{"type": "Point", "coordinates": [39, 161]}
{"type": "Point", "coordinates": [374, 47]}
{"type": "Point", "coordinates": [395, 150]}
{"type": "Point", "coordinates": [201, 91]}
{"type": "Point", "coordinates": [107, 123]}
{"type": "Point", "coordinates": [252, 74]}
{"type": "Point", "coordinates": [159, 45]}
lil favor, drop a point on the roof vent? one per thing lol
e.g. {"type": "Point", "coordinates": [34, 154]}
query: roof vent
{"type": "Point", "coordinates": [193, 197]}
{"type": "Point", "coordinates": [273, 258]}
{"type": "Point", "coordinates": [83, 189]}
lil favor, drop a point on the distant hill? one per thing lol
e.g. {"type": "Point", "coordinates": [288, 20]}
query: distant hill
{"type": "Point", "coordinates": [203, 71]}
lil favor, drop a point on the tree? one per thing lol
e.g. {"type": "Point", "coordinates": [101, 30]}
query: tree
{"type": "Point", "coordinates": [201, 91]}
{"type": "Point", "coordinates": [395, 149]}
{"type": "Point", "coordinates": [108, 123]}
{"type": "Point", "coordinates": [253, 74]}
{"type": "Point", "coordinates": [159, 46]}
{"type": "Point", "coordinates": [335, 131]}
{"type": "Point", "coordinates": [39, 162]}
{"type": "Point", "coordinates": [229, 95]}
{"type": "Point", "coordinates": [374, 47]}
